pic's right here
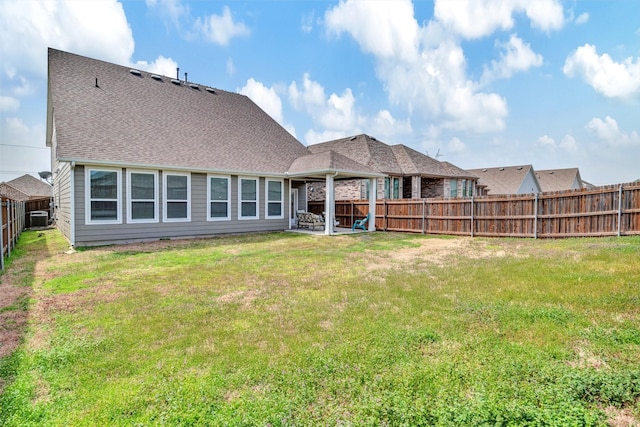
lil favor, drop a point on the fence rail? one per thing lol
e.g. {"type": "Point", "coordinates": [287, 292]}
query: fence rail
{"type": "Point", "coordinates": [603, 211]}
{"type": "Point", "coordinates": [12, 219]}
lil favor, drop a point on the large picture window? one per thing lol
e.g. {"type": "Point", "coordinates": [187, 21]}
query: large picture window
{"type": "Point", "coordinates": [103, 196]}
{"type": "Point", "coordinates": [275, 200]}
{"type": "Point", "coordinates": [142, 192]}
{"type": "Point", "coordinates": [248, 198]}
{"type": "Point", "coordinates": [177, 197]}
{"type": "Point", "coordinates": [219, 198]}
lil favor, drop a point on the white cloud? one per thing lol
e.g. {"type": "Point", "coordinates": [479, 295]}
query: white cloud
{"type": "Point", "coordinates": [546, 141]}
{"type": "Point", "coordinates": [162, 66]}
{"type": "Point", "coordinates": [231, 68]}
{"type": "Point", "coordinates": [8, 103]}
{"type": "Point", "coordinates": [266, 98]}
{"type": "Point", "coordinates": [479, 18]}
{"type": "Point", "coordinates": [307, 21]}
{"type": "Point", "coordinates": [423, 69]}
{"type": "Point", "coordinates": [16, 160]}
{"type": "Point", "coordinates": [309, 97]}
{"type": "Point", "coordinates": [607, 77]}
{"type": "Point", "coordinates": [517, 56]}
{"type": "Point", "coordinates": [220, 29]}
{"type": "Point", "coordinates": [569, 143]}
{"type": "Point", "coordinates": [608, 130]}
{"type": "Point", "coordinates": [583, 18]}
{"type": "Point", "coordinates": [455, 145]}
{"type": "Point", "coordinates": [312, 137]}
{"type": "Point", "coordinates": [385, 28]}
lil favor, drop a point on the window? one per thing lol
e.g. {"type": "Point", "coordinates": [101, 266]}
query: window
{"type": "Point", "coordinates": [103, 191]}
{"type": "Point", "coordinates": [396, 188]}
{"type": "Point", "coordinates": [219, 198]}
{"type": "Point", "coordinates": [248, 195]}
{"type": "Point", "coordinates": [275, 202]}
{"type": "Point", "coordinates": [453, 184]}
{"type": "Point", "coordinates": [142, 192]}
{"type": "Point", "coordinates": [387, 188]}
{"type": "Point", "coordinates": [177, 202]}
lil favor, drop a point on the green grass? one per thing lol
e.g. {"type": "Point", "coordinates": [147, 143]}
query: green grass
{"type": "Point", "coordinates": [283, 329]}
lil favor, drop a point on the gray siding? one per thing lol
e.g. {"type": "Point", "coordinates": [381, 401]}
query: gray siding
{"type": "Point", "coordinates": [198, 226]}
{"type": "Point", "coordinates": [529, 184]}
{"type": "Point", "coordinates": [62, 198]}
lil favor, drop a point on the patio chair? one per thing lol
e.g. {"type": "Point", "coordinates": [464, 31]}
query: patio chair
{"type": "Point", "coordinates": [360, 223]}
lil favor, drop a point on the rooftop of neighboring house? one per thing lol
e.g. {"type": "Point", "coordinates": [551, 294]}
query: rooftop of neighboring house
{"type": "Point", "coordinates": [26, 187]}
{"type": "Point", "coordinates": [390, 159]}
{"type": "Point", "coordinates": [559, 179]}
{"type": "Point", "coordinates": [504, 179]}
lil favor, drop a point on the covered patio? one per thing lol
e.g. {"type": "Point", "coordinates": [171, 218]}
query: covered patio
{"type": "Point", "coordinates": [329, 167]}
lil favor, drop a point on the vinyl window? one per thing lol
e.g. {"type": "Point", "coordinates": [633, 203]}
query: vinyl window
{"type": "Point", "coordinates": [248, 198]}
{"type": "Point", "coordinates": [177, 197]}
{"type": "Point", "coordinates": [142, 192]}
{"type": "Point", "coordinates": [275, 199]}
{"type": "Point", "coordinates": [219, 198]}
{"type": "Point", "coordinates": [103, 195]}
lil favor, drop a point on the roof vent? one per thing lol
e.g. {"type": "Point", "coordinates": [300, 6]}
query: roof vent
{"type": "Point", "coordinates": [135, 72]}
{"type": "Point", "coordinates": [156, 77]}
{"type": "Point", "coordinates": [520, 168]}
{"type": "Point", "coordinates": [175, 82]}
{"type": "Point", "coordinates": [353, 138]}
{"type": "Point", "coordinates": [484, 170]}
{"type": "Point", "coordinates": [501, 169]}
{"type": "Point", "coordinates": [550, 172]}
{"type": "Point", "coordinates": [210, 90]}
{"type": "Point", "coordinates": [194, 86]}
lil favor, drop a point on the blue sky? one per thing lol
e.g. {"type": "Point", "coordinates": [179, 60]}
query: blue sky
{"type": "Point", "coordinates": [484, 83]}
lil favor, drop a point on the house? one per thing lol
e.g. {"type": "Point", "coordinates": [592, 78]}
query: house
{"type": "Point", "coordinates": [139, 156]}
{"type": "Point", "coordinates": [409, 174]}
{"type": "Point", "coordinates": [559, 179]}
{"type": "Point", "coordinates": [507, 180]}
{"type": "Point", "coordinates": [26, 188]}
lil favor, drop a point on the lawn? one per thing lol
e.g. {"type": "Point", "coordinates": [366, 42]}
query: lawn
{"type": "Point", "coordinates": [283, 329]}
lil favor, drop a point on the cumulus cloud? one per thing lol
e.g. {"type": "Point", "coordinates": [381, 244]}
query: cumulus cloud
{"type": "Point", "coordinates": [8, 103]}
{"type": "Point", "coordinates": [220, 29]}
{"type": "Point", "coordinates": [162, 66]}
{"type": "Point", "coordinates": [455, 145]}
{"type": "Point", "coordinates": [266, 98]}
{"type": "Point", "coordinates": [608, 130]}
{"type": "Point", "coordinates": [546, 141]}
{"type": "Point", "coordinates": [337, 114]}
{"type": "Point", "coordinates": [517, 56]}
{"type": "Point", "coordinates": [479, 18]}
{"type": "Point", "coordinates": [569, 143]}
{"type": "Point", "coordinates": [609, 78]}
{"type": "Point", "coordinates": [583, 18]}
{"type": "Point", "coordinates": [423, 68]}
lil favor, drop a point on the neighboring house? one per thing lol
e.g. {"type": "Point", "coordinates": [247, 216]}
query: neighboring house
{"type": "Point", "coordinates": [26, 188]}
{"type": "Point", "coordinates": [409, 173]}
{"type": "Point", "coordinates": [507, 180]}
{"type": "Point", "coordinates": [559, 179]}
{"type": "Point", "coordinates": [138, 156]}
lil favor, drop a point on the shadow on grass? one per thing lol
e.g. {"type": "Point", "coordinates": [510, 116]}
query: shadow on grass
{"type": "Point", "coordinates": [16, 290]}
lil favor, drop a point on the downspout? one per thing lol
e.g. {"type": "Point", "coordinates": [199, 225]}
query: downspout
{"type": "Point", "coordinates": [72, 205]}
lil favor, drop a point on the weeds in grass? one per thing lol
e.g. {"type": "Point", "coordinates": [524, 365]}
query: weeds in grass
{"type": "Point", "coordinates": [279, 329]}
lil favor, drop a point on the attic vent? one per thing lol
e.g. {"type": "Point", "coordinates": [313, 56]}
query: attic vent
{"type": "Point", "coordinates": [501, 169]}
{"type": "Point", "coordinates": [210, 90]}
{"type": "Point", "coordinates": [194, 86]}
{"type": "Point", "coordinates": [550, 172]}
{"type": "Point", "coordinates": [353, 138]}
{"type": "Point", "coordinates": [175, 82]}
{"type": "Point", "coordinates": [135, 72]}
{"type": "Point", "coordinates": [520, 168]}
{"type": "Point", "coordinates": [156, 77]}
{"type": "Point", "coordinates": [484, 170]}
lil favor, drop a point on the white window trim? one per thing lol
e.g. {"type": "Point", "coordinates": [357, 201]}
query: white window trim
{"type": "Point", "coordinates": [130, 199]}
{"type": "Point", "coordinates": [228, 217]}
{"type": "Point", "coordinates": [257, 201]}
{"type": "Point", "coordinates": [267, 201]}
{"type": "Point", "coordinates": [165, 174]}
{"type": "Point", "coordinates": [87, 196]}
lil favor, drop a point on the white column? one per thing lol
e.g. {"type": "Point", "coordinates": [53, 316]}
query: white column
{"type": "Point", "coordinates": [329, 206]}
{"type": "Point", "coordinates": [373, 194]}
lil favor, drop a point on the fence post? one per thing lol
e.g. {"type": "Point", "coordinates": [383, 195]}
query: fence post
{"type": "Point", "coordinates": [424, 207]}
{"type": "Point", "coordinates": [535, 217]}
{"type": "Point", "coordinates": [472, 216]}
{"type": "Point", "coordinates": [620, 210]}
{"type": "Point", "coordinates": [1, 237]}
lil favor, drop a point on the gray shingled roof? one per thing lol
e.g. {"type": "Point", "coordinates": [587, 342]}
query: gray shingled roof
{"type": "Point", "coordinates": [32, 187]}
{"type": "Point", "coordinates": [504, 179]}
{"type": "Point", "coordinates": [319, 164]}
{"type": "Point", "coordinates": [390, 159]}
{"type": "Point", "coordinates": [135, 119]}
{"type": "Point", "coordinates": [558, 179]}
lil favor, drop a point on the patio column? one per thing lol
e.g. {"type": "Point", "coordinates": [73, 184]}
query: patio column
{"type": "Point", "coordinates": [373, 194]}
{"type": "Point", "coordinates": [329, 206]}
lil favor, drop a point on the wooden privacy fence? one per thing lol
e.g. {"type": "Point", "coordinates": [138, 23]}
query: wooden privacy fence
{"type": "Point", "coordinates": [12, 216]}
{"type": "Point", "coordinates": [603, 211]}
